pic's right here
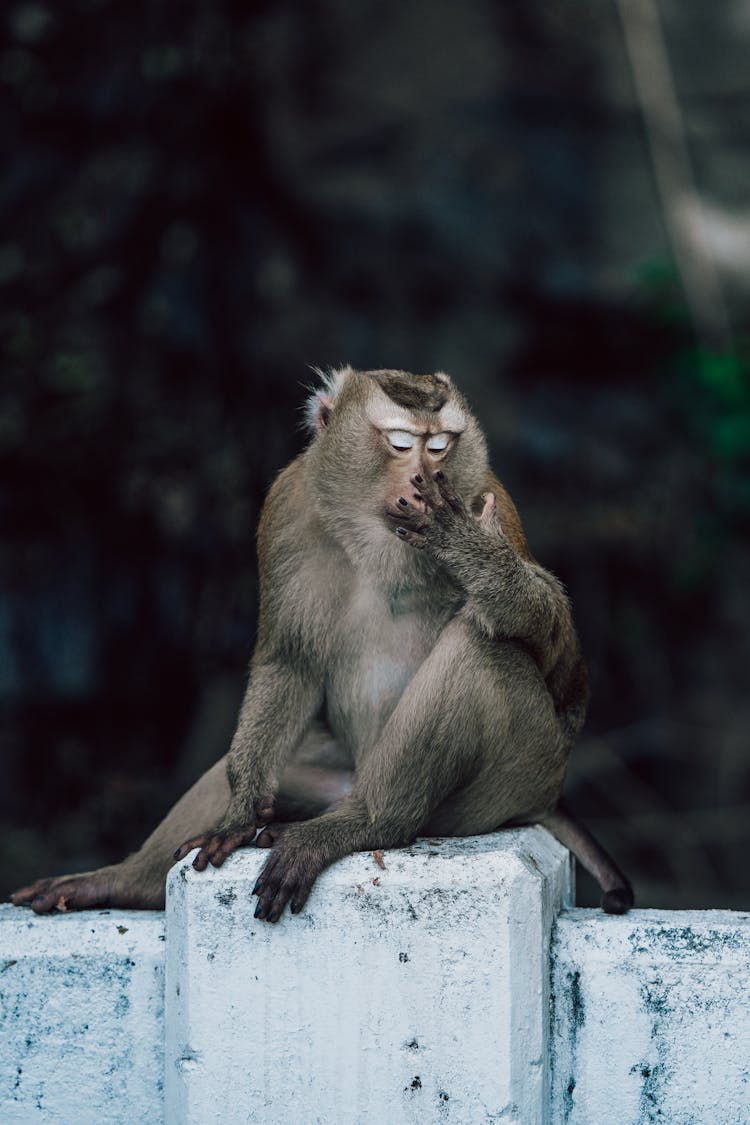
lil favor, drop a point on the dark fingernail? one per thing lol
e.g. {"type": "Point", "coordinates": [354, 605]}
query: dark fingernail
{"type": "Point", "coordinates": [258, 910]}
{"type": "Point", "coordinates": [177, 853]}
{"type": "Point", "coordinates": [439, 475]}
{"type": "Point", "coordinates": [401, 531]}
{"type": "Point", "coordinates": [402, 502]}
{"type": "Point", "coordinates": [418, 478]}
{"type": "Point", "coordinates": [257, 887]}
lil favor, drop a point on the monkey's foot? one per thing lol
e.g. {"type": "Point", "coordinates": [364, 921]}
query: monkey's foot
{"type": "Point", "coordinates": [287, 877]}
{"type": "Point", "coordinates": [105, 887]}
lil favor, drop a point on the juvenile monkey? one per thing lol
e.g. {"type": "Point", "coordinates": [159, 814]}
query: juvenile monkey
{"type": "Point", "coordinates": [407, 634]}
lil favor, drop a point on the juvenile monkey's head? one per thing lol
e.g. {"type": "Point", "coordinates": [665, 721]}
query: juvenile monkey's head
{"type": "Point", "coordinates": [373, 431]}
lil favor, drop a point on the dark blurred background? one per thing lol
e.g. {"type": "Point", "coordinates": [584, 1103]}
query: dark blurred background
{"type": "Point", "coordinates": [198, 200]}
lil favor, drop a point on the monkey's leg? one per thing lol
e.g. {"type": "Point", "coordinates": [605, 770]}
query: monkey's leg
{"type": "Point", "coordinates": [474, 743]}
{"type": "Point", "coordinates": [138, 882]}
{"type": "Point", "coordinates": [438, 740]}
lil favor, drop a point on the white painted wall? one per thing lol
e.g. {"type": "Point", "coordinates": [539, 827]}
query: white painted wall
{"type": "Point", "coordinates": [411, 996]}
{"type": "Point", "coordinates": [415, 994]}
{"type": "Point", "coordinates": [81, 1018]}
{"type": "Point", "coordinates": [651, 1018]}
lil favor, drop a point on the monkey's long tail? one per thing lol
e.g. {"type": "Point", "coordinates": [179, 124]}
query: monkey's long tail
{"type": "Point", "coordinates": [617, 897]}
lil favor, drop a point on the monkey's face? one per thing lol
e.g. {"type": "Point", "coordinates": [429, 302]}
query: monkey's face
{"type": "Point", "coordinates": [411, 442]}
{"type": "Point", "coordinates": [377, 429]}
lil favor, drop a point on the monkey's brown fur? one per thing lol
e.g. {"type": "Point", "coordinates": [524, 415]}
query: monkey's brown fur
{"type": "Point", "coordinates": [400, 601]}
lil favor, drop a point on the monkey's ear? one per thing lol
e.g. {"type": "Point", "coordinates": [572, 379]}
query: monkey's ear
{"type": "Point", "coordinates": [323, 399]}
{"type": "Point", "coordinates": [319, 411]}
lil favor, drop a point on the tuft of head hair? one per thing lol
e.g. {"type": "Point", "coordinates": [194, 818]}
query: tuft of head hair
{"type": "Point", "coordinates": [317, 408]}
{"type": "Point", "coordinates": [427, 393]}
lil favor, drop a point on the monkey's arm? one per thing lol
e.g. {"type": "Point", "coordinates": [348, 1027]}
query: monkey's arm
{"type": "Point", "coordinates": [279, 705]}
{"type": "Point", "coordinates": [285, 689]}
{"type": "Point", "coordinates": [508, 594]}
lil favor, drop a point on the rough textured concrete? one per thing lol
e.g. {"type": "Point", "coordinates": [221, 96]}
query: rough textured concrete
{"type": "Point", "coordinates": [81, 1017]}
{"type": "Point", "coordinates": [413, 994]}
{"type": "Point", "coordinates": [650, 1018]}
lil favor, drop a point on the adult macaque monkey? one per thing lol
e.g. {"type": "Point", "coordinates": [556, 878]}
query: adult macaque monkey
{"type": "Point", "coordinates": [405, 632]}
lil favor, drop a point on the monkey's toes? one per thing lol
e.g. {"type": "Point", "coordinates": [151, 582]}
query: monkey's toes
{"type": "Point", "coordinates": [24, 895]}
{"type": "Point", "coordinates": [64, 893]}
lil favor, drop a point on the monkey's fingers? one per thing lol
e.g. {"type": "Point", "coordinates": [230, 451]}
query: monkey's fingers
{"type": "Point", "coordinates": [427, 491]}
{"type": "Point", "coordinates": [215, 847]}
{"type": "Point", "coordinates": [409, 516]}
{"type": "Point", "coordinates": [404, 511]}
{"type": "Point", "coordinates": [193, 842]}
{"type": "Point", "coordinates": [284, 879]}
{"type": "Point", "coordinates": [448, 494]}
{"type": "Point", "coordinates": [221, 846]}
{"type": "Point", "coordinates": [413, 538]}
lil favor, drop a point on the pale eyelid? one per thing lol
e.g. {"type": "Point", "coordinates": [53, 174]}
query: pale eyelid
{"type": "Point", "coordinates": [401, 439]}
{"type": "Point", "coordinates": [438, 443]}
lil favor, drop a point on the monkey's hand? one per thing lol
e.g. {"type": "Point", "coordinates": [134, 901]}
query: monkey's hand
{"type": "Point", "coordinates": [287, 876]}
{"type": "Point", "coordinates": [506, 596]}
{"type": "Point", "coordinates": [237, 830]}
{"type": "Point", "coordinates": [446, 526]}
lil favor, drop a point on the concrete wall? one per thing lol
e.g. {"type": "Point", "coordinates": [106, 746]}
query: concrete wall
{"type": "Point", "coordinates": [81, 1018]}
{"type": "Point", "coordinates": [452, 986]}
{"type": "Point", "coordinates": [413, 993]}
{"type": "Point", "coordinates": [651, 1020]}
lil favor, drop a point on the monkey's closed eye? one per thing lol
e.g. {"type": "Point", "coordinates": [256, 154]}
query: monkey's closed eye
{"type": "Point", "coordinates": [438, 442]}
{"type": "Point", "coordinates": [400, 439]}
